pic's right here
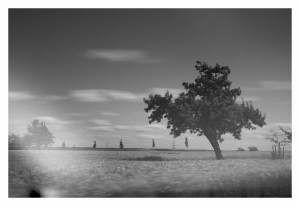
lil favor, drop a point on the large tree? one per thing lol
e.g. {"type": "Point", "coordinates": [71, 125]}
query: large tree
{"type": "Point", "coordinates": [207, 107]}
{"type": "Point", "coordinates": [38, 135]}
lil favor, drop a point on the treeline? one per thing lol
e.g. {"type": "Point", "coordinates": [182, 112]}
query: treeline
{"type": "Point", "coordinates": [37, 136]}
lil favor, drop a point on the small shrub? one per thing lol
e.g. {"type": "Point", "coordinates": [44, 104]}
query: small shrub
{"type": "Point", "coordinates": [252, 149]}
{"type": "Point", "coordinates": [240, 149]}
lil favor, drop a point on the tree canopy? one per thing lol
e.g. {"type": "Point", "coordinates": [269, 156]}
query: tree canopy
{"type": "Point", "coordinates": [38, 135]}
{"type": "Point", "coordinates": [207, 107]}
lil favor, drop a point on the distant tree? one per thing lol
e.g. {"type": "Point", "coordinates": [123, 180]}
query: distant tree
{"type": "Point", "coordinates": [186, 143]}
{"type": "Point", "coordinates": [38, 135]}
{"type": "Point", "coordinates": [208, 107]}
{"type": "Point", "coordinates": [252, 149]}
{"type": "Point", "coordinates": [94, 145]}
{"type": "Point", "coordinates": [240, 149]}
{"type": "Point", "coordinates": [15, 141]}
{"type": "Point", "coordinates": [63, 144]}
{"type": "Point", "coordinates": [121, 144]}
{"type": "Point", "coordinates": [280, 138]}
{"type": "Point", "coordinates": [288, 134]}
{"type": "Point", "coordinates": [153, 143]}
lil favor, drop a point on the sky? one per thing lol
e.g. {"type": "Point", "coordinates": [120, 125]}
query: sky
{"type": "Point", "coordinates": [85, 72]}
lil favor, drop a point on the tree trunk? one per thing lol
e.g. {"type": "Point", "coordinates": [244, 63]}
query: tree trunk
{"type": "Point", "coordinates": [215, 144]}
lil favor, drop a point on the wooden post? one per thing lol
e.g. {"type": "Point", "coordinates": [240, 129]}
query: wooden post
{"type": "Point", "coordinates": [275, 152]}
{"type": "Point", "coordinates": [279, 150]}
{"type": "Point", "coordinates": [283, 153]}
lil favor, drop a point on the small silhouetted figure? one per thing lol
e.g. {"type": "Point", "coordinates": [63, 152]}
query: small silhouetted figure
{"type": "Point", "coordinates": [153, 143]}
{"type": "Point", "coordinates": [94, 146]}
{"type": "Point", "coordinates": [121, 144]}
{"type": "Point", "coordinates": [63, 144]}
{"type": "Point", "coordinates": [186, 143]}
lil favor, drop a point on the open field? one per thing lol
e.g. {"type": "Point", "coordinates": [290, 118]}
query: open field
{"type": "Point", "coordinates": [148, 173]}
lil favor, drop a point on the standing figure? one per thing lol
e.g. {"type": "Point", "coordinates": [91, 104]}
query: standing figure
{"type": "Point", "coordinates": [94, 146]}
{"type": "Point", "coordinates": [121, 144]}
{"type": "Point", "coordinates": [186, 143]}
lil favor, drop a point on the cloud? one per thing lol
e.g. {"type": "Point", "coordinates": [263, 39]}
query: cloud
{"type": "Point", "coordinates": [55, 97]}
{"type": "Point", "coordinates": [122, 127]}
{"type": "Point", "coordinates": [53, 121]}
{"type": "Point", "coordinates": [270, 86]}
{"type": "Point", "coordinates": [101, 122]}
{"type": "Point", "coordinates": [87, 96]}
{"type": "Point", "coordinates": [121, 55]}
{"type": "Point", "coordinates": [21, 95]}
{"type": "Point", "coordinates": [107, 95]}
{"type": "Point", "coordinates": [103, 128]}
{"type": "Point", "coordinates": [104, 95]}
{"type": "Point", "coordinates": [157, 126]}
{"type": "Point", "coordinates": [25, 95]}
{"type": "Point", "coordinates": [109, 114]}
{"type": "Point", "coordinates": [141, 128]}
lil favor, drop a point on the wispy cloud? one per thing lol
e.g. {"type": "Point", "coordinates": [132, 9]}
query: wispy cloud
{"type": "Point", "coordinates": [270, 85]}
{"type": "Point", "coordinates": [101, 122]}
{"type": "Point", "coordinates": [55, 97]}
{"type": "Point", "coordinates": [25, 95]}
{"type": "Point", "coordinates": [53, 120]}
{"type": "Point", "coordinates": [106, 95]}
{"type": "Point", "coordinates": [21, 95]}
{"type": "Point", "coordinates": [122, 127]}
{"type": "Point", "coordinates": [121, 55]}
{"type": "Point", "coordinates": [156, 126]}
{"type": "Point", "coordinates": [103, 95]}
{"type": "Point", "coordinates": [109, 114]}
{"type": "Point", "coordinates": [103, 128]}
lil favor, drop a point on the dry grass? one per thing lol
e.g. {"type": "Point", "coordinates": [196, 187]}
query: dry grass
{"type": "Point", "coordinates": [148, 174]}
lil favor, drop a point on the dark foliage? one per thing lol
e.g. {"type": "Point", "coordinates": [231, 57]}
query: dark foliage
{"type": "Point", "coordinates": [15, 141]}
{"type": "Point", "coordinates": [252, 149]}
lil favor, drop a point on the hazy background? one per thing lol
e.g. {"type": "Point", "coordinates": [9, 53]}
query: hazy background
{"type": "Point", "coordinates": [85, 72]}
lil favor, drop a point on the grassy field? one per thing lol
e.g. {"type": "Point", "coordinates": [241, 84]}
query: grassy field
{"type": "Point", "coordinates": [88, 173]}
